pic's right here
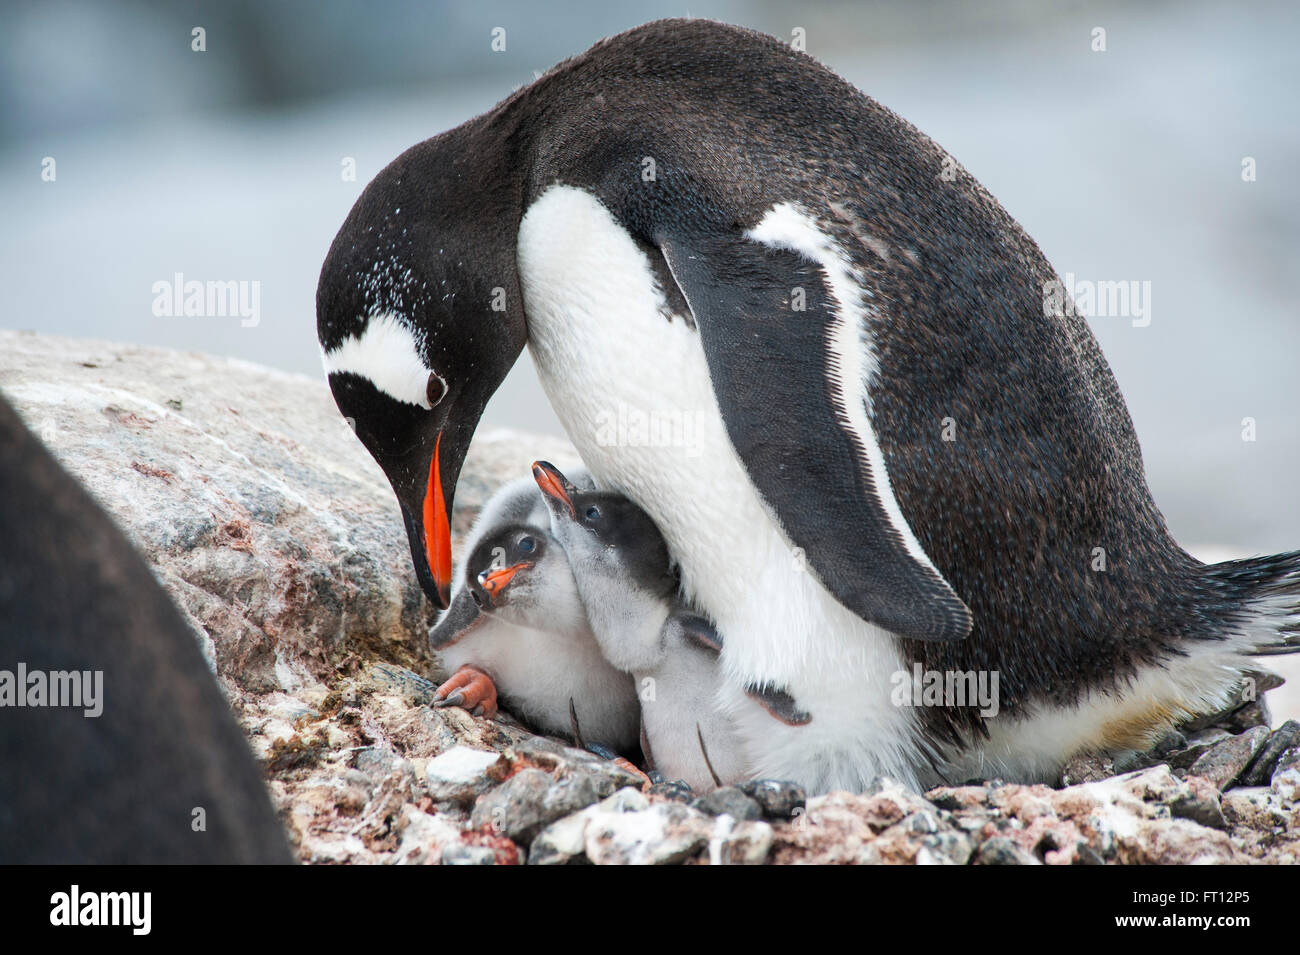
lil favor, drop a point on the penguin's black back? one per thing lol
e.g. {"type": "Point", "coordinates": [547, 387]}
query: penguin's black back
{"type": "Point", "coordinates": [121, 787]}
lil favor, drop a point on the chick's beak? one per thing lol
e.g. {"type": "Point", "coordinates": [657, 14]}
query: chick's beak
{"type": "Point", "coordinates": [494, 582]}
{"type": "Point", "coordinates": [554, 485]}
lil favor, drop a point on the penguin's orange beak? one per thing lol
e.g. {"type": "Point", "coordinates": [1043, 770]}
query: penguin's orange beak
{"type": "Point", "coordinates": [495, 582]}
{"type": "Point", "coordinates": [553, 484]}
{"type": "Point", "coordinates": [437, 528]}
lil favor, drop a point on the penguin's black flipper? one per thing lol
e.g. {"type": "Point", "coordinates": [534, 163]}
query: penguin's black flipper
{"type": "Point", "coordinates": [780, 704]}
{"type": "Point", "coordinates": [699, 631]}
{"type": "Point", "coordinates": [790, 380]}
{"type": "Point", "coordinates": [147, 765]}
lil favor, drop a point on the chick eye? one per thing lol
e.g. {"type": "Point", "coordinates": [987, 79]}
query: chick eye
{"type": "Point", "coordinates": [593, 513]}
{"type": "Point", "coordinates": [436, 390]}
{"type": "Point", "coordinates": [527, 545]}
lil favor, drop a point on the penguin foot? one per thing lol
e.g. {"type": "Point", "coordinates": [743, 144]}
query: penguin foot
{"type": "Point", "coordinates": [471, 689]}
{"type": "Point", "coordinates": [603, 751]}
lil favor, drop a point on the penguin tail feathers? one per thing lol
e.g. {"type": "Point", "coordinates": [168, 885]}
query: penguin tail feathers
{"type": "Point", "coordinates": [1258, 600]}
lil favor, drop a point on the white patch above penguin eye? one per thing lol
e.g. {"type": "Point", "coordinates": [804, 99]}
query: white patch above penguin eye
{"type": "Point", "coordinates": [387, 354]}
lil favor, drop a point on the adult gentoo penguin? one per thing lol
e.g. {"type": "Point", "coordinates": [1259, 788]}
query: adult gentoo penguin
{"type": "Point", "coordinates": [516, 626]}
{"type": "Point", "coordinates": [693, 223]}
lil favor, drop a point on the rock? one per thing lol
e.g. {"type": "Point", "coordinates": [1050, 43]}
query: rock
{"type": "Point", "coordinates": [1087, 768]}
{"type": "Point", "coordinates": [1260, 770]}
{"type": "Point", "coordinates": [958, 798]}
{"type": "Point", "coordinates": [1256, 807]}
{"type": "Point", "coordinates": [378, 762]}
{"type": "Point", "coordinates": [1286, 777]}
{"type": "Point", "coordinates": [1200, 804]}
{"type": "Point", "coordinates": [530, 800]}
{"type": "Point", "coordinates": [730, 801]}
{"type": "Point", "coordinates": [779, 799]}
{"type": "Point", "coordinates": [739, 843]}
{"type": "Point", "coordinates": [1254, 713]}
{"type": "Point", "coordinates": [676, 790]}
{"type": "Point", "coordinates": [460, 775]}
{"type": "Point", "coordinates": [468, 855]}
{"type": "Point", "coordinates": [389, 678]}
{"type": "Point", "coordinates": [1225, 761]}
{"type": "Point", "coordinates": [1000, 850]}
{"type": "Point", "coordinates": [666, 833]}
{"type": "Point", "coordinates": [565, 840]}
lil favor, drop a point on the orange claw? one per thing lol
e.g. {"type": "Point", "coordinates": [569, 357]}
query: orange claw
{"type": "Point", "coordinates": [471, 689]}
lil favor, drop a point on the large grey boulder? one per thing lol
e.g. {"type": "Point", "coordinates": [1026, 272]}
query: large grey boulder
{"type": "Point", "coordinates": [245, 489]}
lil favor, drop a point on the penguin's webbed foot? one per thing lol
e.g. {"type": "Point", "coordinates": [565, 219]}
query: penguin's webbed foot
{"type": "Point", "coordinates": [470, 689]}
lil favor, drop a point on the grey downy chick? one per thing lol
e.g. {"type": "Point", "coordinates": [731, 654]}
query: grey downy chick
{"type": "Point", "coordinates": [516, 626]}
{"type": "Point", "coordinates": [623, 572]}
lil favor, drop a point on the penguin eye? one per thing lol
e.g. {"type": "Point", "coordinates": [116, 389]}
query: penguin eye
{"type": "Point", "coordinates": [593, 513]}
{"type": "Point", "coordinates": [436, 389]}
{"type": "Point", "coordinates": [527, 545]}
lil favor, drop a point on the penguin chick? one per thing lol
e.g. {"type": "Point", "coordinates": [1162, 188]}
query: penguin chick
{"type": "Point", "coordinates": [517, 626]}
{"type": "Point", "coordinates": [623, 573]}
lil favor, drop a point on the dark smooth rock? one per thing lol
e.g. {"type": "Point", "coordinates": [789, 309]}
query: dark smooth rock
{"type": "Point", "coordinates": [780, 799]}
{"type": "Point", "coordinates": [730, 801]}
{"type": "Point", "coordinates": [1260, 770]}
{"type": "Point", "coordinates": [1224, 762]}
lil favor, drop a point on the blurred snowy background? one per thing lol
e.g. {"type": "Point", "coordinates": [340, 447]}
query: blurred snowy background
{"type": "Point", "coordinates": [1124, 165]}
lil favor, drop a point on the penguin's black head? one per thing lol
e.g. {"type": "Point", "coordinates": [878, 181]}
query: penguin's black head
{"type": "Point", "coordinates": [611, 526]}
{"type": "Point", "coordinates": [503, 565]}
{"type": "Point", "coordinates": [419, 319]}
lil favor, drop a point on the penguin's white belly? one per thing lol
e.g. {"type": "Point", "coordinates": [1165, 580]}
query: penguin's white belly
{"type": "Point", "coordinates": [537, 672]}
{"type": "Point", "coordinates": [632, 389]}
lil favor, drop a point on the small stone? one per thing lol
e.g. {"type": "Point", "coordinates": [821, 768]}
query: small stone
{"type": "Point", "coordinates": [1199, 804]}
{"type": "Point", "coordinates": [1286, 777]}
{"type": "Point", "coordinates": [922, 822]}
{"type": "Point", "coordinates": [1225, 761]}
{"type": "Point", "coordinates": [1171, 742]}
{"type": "Point", "coordinates": [377, 762]}
{"type": "Point", "coordinates": [1255, 807]}
{"type": "Point", "coordinates": [674, 789]}
{"type": "Point", "coordinates": [958, 798]}
{"type": "Point", "coordinates": [945, 848]}
{"type": "Point", "coordinates": [1254, 713]}
{"type": "Point", "coordinates": [664, 834]}
{"type": "Point", "coordinates": [468, 855]}
{"type": "Point", "coordinates": [1087, 768]}
{"type": "Point", "coordinates": [398, 681]}
{"type": "Point", "coordinates": [459, 775]}
{"type": "Point", "coordinates": [1003, 851]}
{"type": "Point", "coordinates": [778, 798]}
{"type": "Point", "coordinates": [739, 843]}
{"type": "Point", "coordinates": [730, 801]}
{"type": "Point", "coordinates": [1260, 770]}
{"type": "Point", "coordinates": [564, 841]}
{"type": "Point", "coordinates": [530, 800]}
{"type": "Point", "coordinates": [627, 799]}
